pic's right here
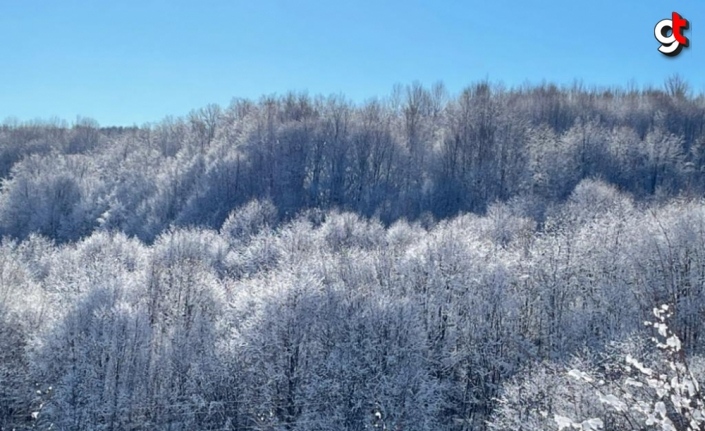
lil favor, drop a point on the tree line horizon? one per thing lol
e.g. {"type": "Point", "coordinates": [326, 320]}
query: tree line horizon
{"type": "Point", "coordinates": [417, 153]}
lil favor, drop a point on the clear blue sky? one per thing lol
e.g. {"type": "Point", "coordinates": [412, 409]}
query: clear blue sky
{"type": "Point", "coordinates": [129, 62]}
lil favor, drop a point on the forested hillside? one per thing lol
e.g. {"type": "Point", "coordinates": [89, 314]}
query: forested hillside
{"type": "Point", "coordinates": [417, 152]}
{"type": "Point", "coordinates": [418, 262]}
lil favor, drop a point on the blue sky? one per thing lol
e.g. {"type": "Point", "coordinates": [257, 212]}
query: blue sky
{"type": "Point", "coordinates": [131, 62]}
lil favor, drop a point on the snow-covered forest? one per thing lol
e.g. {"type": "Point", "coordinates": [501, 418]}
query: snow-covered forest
{"type": "Point", "coordinates": [423, 261]}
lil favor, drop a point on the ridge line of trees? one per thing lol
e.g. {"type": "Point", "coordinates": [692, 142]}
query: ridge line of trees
{"type": "Point", "coordinates": [419, 152]}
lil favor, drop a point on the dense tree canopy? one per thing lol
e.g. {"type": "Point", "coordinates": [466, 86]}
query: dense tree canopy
{"type": "Point", "coordinates": [415, 263]}
{"type": "Point", "coordinates": [419, 151]}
